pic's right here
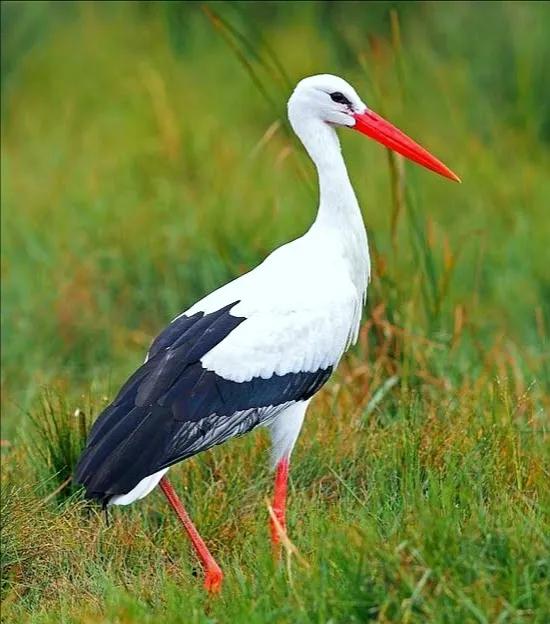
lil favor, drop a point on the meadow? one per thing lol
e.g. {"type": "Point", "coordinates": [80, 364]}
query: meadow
{"type": "Point", "coordinates": [146, 159]}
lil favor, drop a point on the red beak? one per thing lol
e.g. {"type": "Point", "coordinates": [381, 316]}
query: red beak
{"type": "Point", "coordinates": [384, 132]}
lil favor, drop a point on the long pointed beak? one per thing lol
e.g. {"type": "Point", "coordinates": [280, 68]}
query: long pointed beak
{"type": "Point", "coordinates": [384, 132]}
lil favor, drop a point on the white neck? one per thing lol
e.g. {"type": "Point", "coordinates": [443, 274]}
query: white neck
{"type": "Point", "coordinates": [339, 210]}
{"type": "Point", "coordinates": [337, 202]}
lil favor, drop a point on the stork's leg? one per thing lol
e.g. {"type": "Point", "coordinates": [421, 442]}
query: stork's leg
{"type": "Point", "coordinates": [279, 504]}
{"type": "Point", "coordinates": [212, 571]}
{"type": "Point", "coordinates": [284, 433]}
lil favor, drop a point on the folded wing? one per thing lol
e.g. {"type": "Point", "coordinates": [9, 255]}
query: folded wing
{"type": "Point", "coordinates": [177, 404]}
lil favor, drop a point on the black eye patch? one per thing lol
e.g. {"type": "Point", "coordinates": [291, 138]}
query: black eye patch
{"type": "Point", "coordinates": [340, 98]}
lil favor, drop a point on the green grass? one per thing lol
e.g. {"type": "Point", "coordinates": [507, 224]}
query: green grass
{"type": "Point", "coordinates": [146, 160]}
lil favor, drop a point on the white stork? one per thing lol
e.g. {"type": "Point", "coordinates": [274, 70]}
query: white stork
{"type": "Point", "coordinates": [256, 350]}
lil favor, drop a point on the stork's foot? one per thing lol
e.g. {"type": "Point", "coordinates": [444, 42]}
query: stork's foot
{"type": "Point", "coordinates": [278, 519]}
{"type": "Point", "coordinates": [213, 574]}
{"type": "Point", "coordinates": [277, 529]}
{"type": "Point", "coordinates": [213, 579]}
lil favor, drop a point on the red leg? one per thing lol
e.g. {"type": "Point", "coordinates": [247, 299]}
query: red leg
{"type": "Point", "coordinates": [213, 574]}
{"type": "Point", "coordinates": [279, 503]}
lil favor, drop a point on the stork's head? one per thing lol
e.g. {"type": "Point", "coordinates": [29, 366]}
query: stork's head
{"type": "Point", "coordinates": [327, 98]}
{"type": "Point", "coordinates": [332, 100]}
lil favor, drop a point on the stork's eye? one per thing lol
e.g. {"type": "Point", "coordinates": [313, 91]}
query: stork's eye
{"type": "Point", "coordinates": [339, 98]}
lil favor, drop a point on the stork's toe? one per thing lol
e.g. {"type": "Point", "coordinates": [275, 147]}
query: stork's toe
{"type": "Point", "coordinates": [213, 580]}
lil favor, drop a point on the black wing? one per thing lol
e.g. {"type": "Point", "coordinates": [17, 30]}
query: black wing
{"type": "Point", "coordinates": [172, 408]}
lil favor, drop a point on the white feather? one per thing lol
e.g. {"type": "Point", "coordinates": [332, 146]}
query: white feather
{"type": "Point", "coordinates": [285, 429]}
{"type": "Point", "coordinates": [144, 487]}
{"type": "Point", "coordinates": [301, 308]}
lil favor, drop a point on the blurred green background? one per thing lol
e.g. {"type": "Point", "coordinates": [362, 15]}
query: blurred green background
{"type": "Point", "coordinates": [146, 160]}
{"type": "Point", "coordinates": [135, 179]}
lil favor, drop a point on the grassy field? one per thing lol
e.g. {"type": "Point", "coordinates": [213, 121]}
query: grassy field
{"type": "Point", "coordinates": [146, 160]}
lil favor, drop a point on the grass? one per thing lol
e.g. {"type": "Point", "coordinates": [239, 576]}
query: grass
{"type": "Point", "coordinates": [146, 160]}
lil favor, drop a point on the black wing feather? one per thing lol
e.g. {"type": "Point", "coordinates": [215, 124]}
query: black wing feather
{"type": "Point", "coordinates": [172, 408]}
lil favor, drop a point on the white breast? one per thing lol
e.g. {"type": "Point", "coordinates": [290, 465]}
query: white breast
{"type": "Point", "coordinates": [302, 310]}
